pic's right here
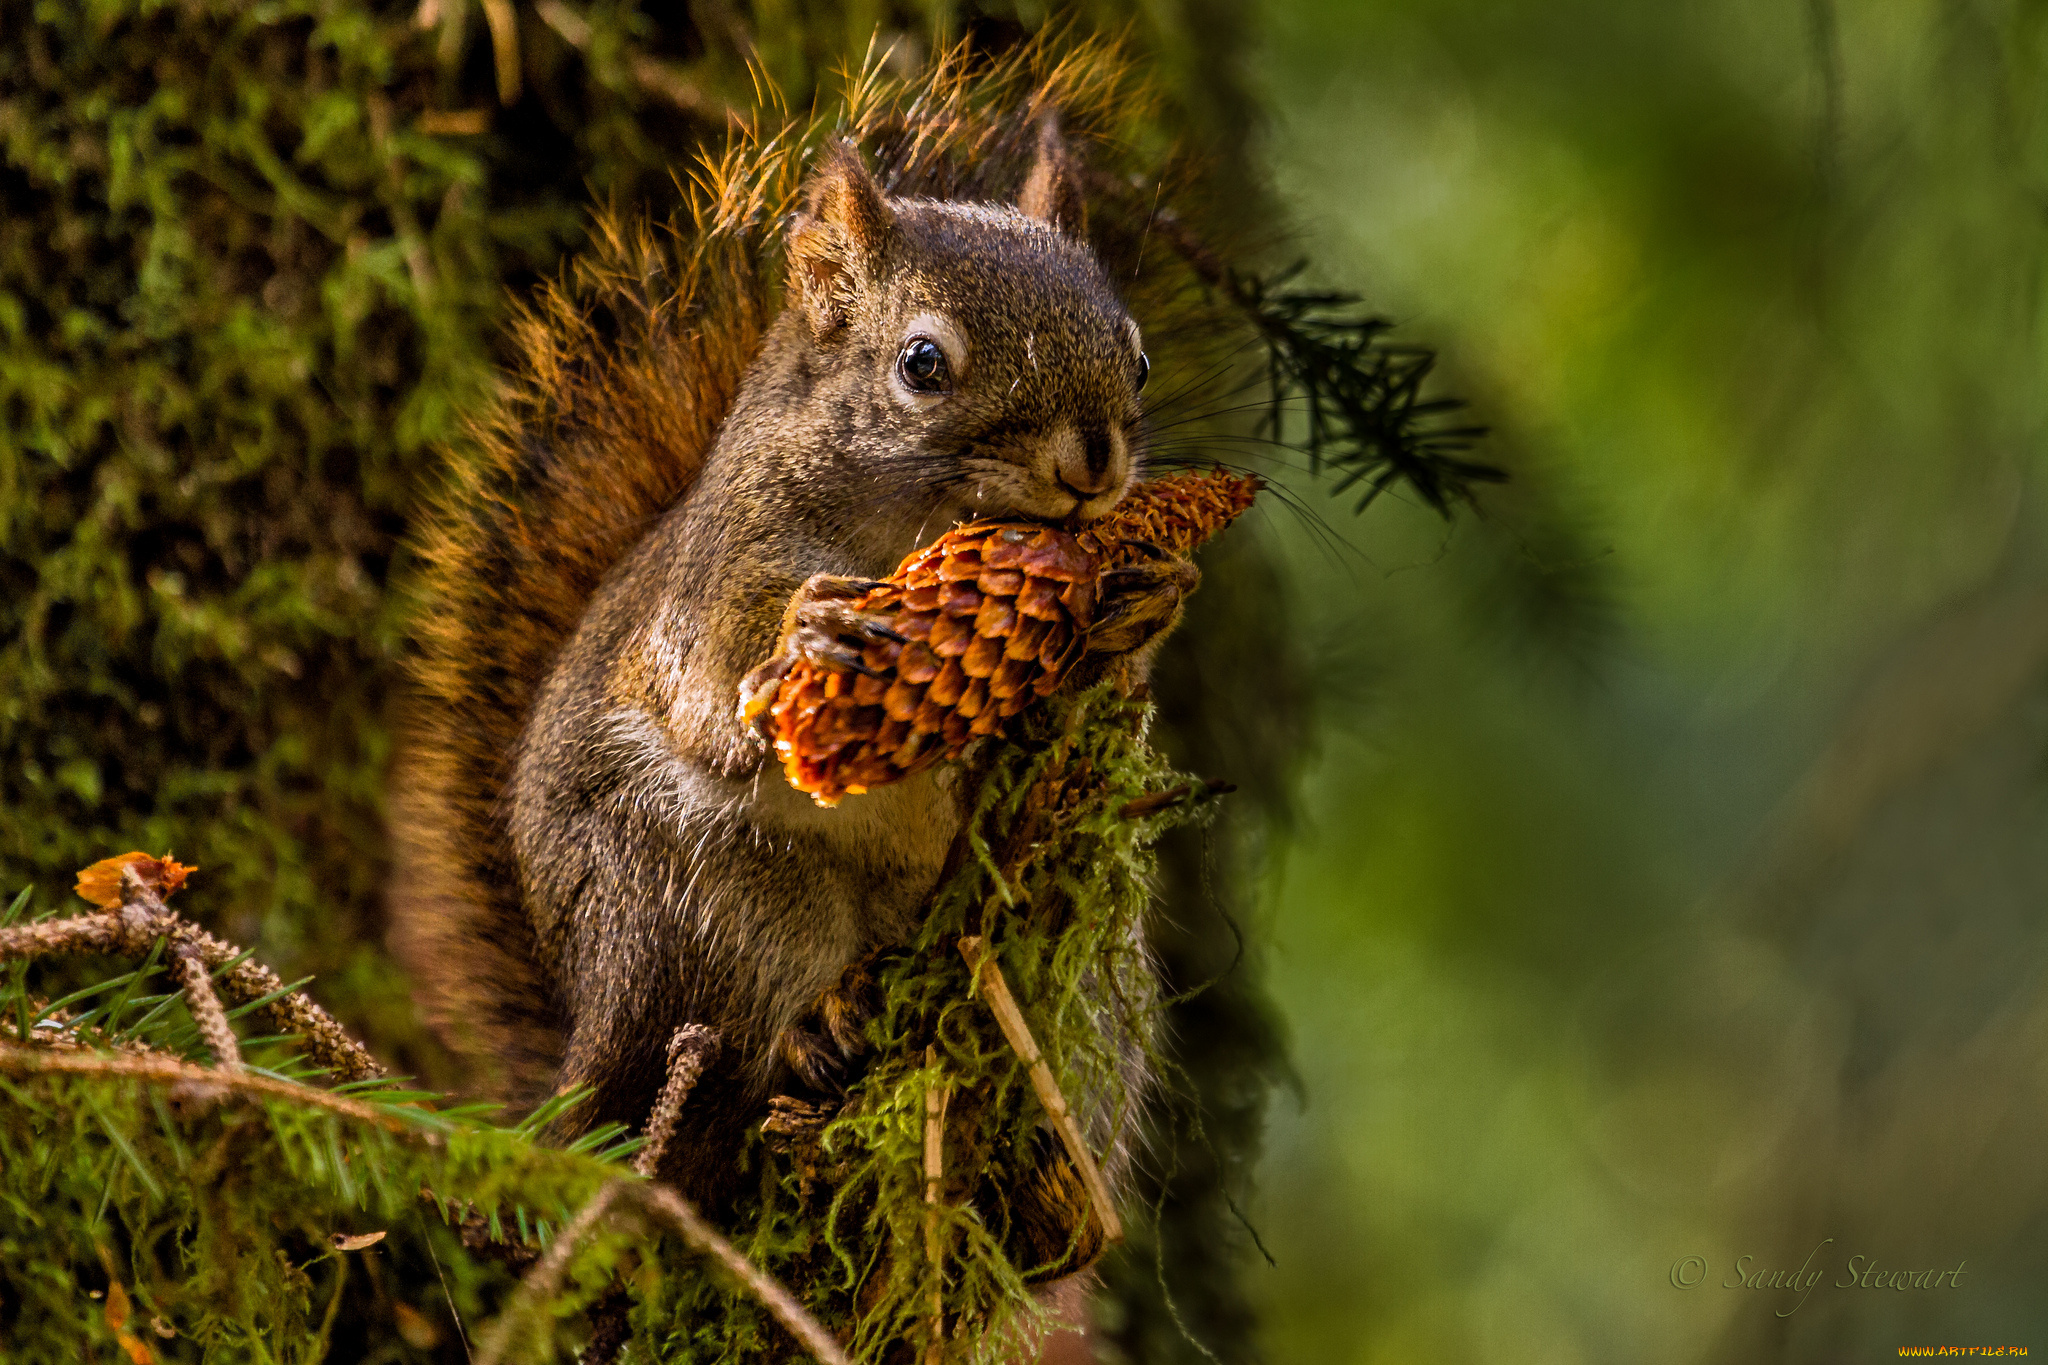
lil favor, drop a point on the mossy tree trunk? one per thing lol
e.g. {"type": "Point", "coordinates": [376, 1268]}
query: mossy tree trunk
{"type": "Point", "coordinates": [251, 272]}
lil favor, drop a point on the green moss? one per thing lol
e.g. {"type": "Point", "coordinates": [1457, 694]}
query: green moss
{"type": "Point", "coordinates": [217, 1215]}
{"type": "Point", "coordinates": [1057, 886]}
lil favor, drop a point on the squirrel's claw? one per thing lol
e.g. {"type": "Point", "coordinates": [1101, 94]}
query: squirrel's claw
{"type": "Point", "coordinates": [838, 646]}
{"type": "Point", "coordinates": [813, 1057]}
{"type": "Point", "coordinates": [838, 621]}
{"type": "Point", "coordinates": [820, 626]}
{"type": "Point", "coordinates": [826, 587]}
{"type": "Point", "coordinates": [757, 694]}
{"type": "Point", "coordinates": [823, 1048]}
{"type": "Point", "coordinates": [848, 1005]}
{"type": "Point", "coordinates": [1138, 602]}
{"type": "Point", "coordinates": [824, 626]}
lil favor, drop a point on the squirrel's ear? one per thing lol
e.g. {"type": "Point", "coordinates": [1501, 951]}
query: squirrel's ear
{"type": "Point", "coordinates": [1052, 191]}
{"type": "Point", "coordinates": [836, 241]}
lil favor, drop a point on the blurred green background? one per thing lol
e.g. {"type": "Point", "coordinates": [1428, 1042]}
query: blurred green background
{"type": "Point", "coordinates": [1672, 882]}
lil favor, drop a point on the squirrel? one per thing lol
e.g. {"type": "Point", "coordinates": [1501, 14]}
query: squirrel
{"type": "Point", "coordinates": [593, 849]}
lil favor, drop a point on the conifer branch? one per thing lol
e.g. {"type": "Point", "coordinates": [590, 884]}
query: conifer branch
{"type": "Point", "coordinates": [690, 1050]}
{"type": "Point", "coordinates": [1360, 395]}
{"type": "Point", "coordinates": [544, 1280]}
{"type": "Point", "coordinates": [18, 1060]}
{"type": "Point", "coordinates": [142, 918]}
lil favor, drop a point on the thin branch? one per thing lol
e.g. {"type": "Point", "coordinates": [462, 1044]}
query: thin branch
{"type": "Point", "coordinates": [1362, 398]}
{"type": "Point", "coordinates": [936, 1100]}
{"type": "Point", "coordinates": [689, 1052]}
{"type": "Point", "coordinates": [197, 982]}
{"type": "Point", "coordinates": [143, 918]}
{"type": "Point", "coordinates": [995, 990]}
{"type": "Point", "coordinates": [102, 933]}
{"type": "Point", "coordinates": [30, 1061]}
{"type": "Point", "coordinates": [1151, 803]}
{"type": "Point", "coordinates": [544, 1280]}
{"type": "Point", "coordinates": [665, 1204]}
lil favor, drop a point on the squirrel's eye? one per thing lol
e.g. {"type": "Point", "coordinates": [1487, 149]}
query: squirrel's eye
{"type": "Point", "coordinates": [1144, 370]}
{"type": "Point", "coordinates": [923, 366]}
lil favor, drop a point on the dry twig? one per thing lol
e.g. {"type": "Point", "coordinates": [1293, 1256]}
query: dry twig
{"type": "Point", "coordinates": [544, 1281]}
{"type": "Point", "coordinates": [190, 969]}
{"type": "Point", "coordinates": [1151, 803]}
{"type": "Point", "coordinates": [504, 47]}
{"type": "Point", "coordinates": [664, 1205]}
{"type": "Point", "coordinates": [671, 1208]}
{"type": "Point", "coordinates": [988, 978]}
{"type": "Point", "coordinates": [689, 1052]}
{"type": "Point", "coordinates": [936, 1100]}
{"type": "Point", "coordinates": [30, 1061]}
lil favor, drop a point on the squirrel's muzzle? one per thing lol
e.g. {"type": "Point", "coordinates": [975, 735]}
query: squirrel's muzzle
{"type": "Point", "coordinates": [1093, 464]}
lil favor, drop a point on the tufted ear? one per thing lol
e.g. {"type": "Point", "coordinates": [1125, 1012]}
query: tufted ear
{"type": "Point", "coordinates": [835, 244]}
{"type": "Point", "coordinates": [1052, 191]}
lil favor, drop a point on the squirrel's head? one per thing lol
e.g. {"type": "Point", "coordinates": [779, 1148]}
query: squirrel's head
{"type": "Point", "coordinates": [973, 357]}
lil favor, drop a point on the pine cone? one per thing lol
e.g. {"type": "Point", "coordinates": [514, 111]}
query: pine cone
{"type": "Point", "coordinates": [993, 614]}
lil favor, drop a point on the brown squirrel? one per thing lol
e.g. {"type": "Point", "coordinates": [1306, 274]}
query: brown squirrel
{"type": "Point", "coordinates": [593, 850]}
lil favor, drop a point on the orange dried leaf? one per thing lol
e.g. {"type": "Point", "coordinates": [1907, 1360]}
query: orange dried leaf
{"type": "Point", "coordinates": [101, 883]}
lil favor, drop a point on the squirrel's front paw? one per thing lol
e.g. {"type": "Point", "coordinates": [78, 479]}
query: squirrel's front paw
{"type": "Point", "coordinates": [823, 626]}
{"type": "Point", "coordinates": [814, 1059]}
{"type": "Point", "coordinates": [821, 1048]}
{"type": "Point", "coordinates": [1139, 602]}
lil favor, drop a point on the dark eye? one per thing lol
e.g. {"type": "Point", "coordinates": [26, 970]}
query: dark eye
{"type": "Point", "coordinates": [1144, 370]}
{"type": "Point", "coordinates": [923, 366]}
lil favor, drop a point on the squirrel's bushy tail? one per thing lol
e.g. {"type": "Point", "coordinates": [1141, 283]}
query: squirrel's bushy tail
{"type": "Point", "coordinates": [625, 367]}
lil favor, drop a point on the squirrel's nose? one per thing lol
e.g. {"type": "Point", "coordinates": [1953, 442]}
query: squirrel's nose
{"type": "Point", "coordinates": [1089, 462]}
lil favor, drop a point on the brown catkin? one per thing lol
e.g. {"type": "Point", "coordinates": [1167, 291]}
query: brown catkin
{"type": "Point", "coordinates": [993, 614]}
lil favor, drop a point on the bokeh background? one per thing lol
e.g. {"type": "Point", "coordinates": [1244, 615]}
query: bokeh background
{"type": "Point", "coordinates": [1645, 863]}
{"type": "Point", "coordinates": [1671, 880]}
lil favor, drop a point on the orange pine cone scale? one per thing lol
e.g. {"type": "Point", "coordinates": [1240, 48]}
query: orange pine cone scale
{"type": "Point", "coordinates": [993, 614]}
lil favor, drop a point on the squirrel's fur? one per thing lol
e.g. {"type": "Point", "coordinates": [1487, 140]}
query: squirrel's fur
{"type": "Point", "coordinates": [670, 459]}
